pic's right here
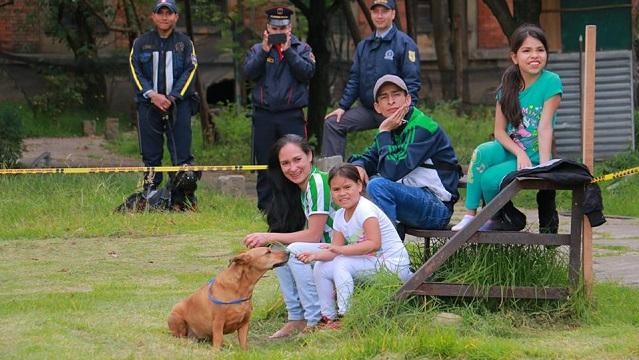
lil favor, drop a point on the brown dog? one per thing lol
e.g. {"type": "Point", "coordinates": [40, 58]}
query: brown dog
{"type": "Point", "coordinates": [224, 305]}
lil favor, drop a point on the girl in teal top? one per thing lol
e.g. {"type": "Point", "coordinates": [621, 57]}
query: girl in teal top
{"type": "Point", "coordinates": [527, 101]}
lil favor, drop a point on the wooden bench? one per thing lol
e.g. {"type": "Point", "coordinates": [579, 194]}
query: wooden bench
{"type": "Point", "coordinates": [418, 284]}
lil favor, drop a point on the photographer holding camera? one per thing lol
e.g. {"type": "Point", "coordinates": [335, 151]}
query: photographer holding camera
{"type": "Point", "coordinates": [281, 67]}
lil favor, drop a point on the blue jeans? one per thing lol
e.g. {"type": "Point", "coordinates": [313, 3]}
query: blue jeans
{"type": "Point", "coordinates": [298, 286]}
{"type": "Point", "coordinates": [412, 206]}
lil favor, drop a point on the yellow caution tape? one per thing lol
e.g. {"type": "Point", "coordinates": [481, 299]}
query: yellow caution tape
{"type": "Point", "coordinates": [616, 175]}
{"type": "Point", "coordinates": [119, 169]}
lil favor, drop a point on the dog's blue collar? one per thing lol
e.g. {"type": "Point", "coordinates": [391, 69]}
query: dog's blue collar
{"type": "Point", "coordinates": [220, 302]}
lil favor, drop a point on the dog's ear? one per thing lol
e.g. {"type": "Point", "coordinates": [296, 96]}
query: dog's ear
{"type": "Point", "coordinates": [240, 259]}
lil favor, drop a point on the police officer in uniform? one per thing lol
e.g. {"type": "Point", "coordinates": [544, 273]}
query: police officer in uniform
{"type": "Point", "coordinates": [163, 65]}
{"type": "Point", "coordinates": [386, 51]}
{"type": "Point", "coordinates": [280, 66]}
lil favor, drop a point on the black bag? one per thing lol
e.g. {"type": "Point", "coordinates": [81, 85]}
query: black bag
{"type": "Point", "coordinates": [155, 200]}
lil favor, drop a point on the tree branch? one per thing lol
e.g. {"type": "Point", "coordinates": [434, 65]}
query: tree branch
{"type": "Point", "coordinates": [335, 6]}
{"type": "Point", "coordinates": [302, 7]}
{"type": "Point", "coordinates": [5, 3]}
{"type": "Point", "coordinates": [500, 10]}
{"type": "Point", "coordinates": [350, 20]}
{"type": "Point", "coordinates": [104, 21]}
{"type": "Point", "coordinates": [367, 14]}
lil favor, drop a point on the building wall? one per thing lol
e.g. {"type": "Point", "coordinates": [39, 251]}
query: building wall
{"type": "Point", "coordinates": [19, 30]}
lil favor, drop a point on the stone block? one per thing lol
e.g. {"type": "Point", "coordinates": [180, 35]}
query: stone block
{"type": "Point", "coordinates": [111, 128]}
{"type": "Point", "coordinates": [327, 163]}
{"type": "Point", "coordinates": [88, 127]}
{"type": "Point", "coordinates": [447, 319]}
{"type": "Point", "coordinates": [233, 185]}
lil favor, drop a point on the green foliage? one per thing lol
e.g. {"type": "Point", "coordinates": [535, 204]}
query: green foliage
{"type": "Point", "coordinates": [66, 124]}
{"type": "Point", "coordinates": [619, 162]}
{"type": "Point", "coordinates": [234, 146]}
{"type": "Point", "coordinates": [617, 192]}
{"type": "Point", "coordinates": [62, 92]}
{"type": "Point", "coordinates": [12, 134]}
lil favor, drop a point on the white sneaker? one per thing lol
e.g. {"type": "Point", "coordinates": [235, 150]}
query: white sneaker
{"type": "Point", "coordinates": [464, 221]}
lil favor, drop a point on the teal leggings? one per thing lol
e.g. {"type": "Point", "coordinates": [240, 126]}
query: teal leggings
{"type": "Point", "coordinates": [490, 163]}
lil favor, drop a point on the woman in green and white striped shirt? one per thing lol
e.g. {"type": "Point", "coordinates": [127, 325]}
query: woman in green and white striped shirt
{"type": "Point", "coordinates": [300, 216]}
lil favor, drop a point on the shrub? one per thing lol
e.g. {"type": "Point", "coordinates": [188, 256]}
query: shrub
{"type": "Point", "coordinates": [63, 91]}
{"type": "Point", "coordinates": [11, 139]}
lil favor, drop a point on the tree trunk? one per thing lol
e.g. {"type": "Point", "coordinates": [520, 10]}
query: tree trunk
{"type": "Point", "coordinates": [318, 90]}
{"type": "Point", "coordinates": [350, 20]}
{"type": "Point", "coordinates": [209, 130]}
{"type": "Point", "coordinates": [441, 30]}
{"type": "Point", "coordinates": [460, 49]}
{"type": "Point", "coordinates": [525, 11]}
{"type": "Point", "coordinates": [411, 26]}
{"type": "Point", "coordinates": [367, 13]}
{"type": "Point", "coordinates": [81, 39]}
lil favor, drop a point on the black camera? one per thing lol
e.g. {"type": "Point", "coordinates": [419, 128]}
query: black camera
{"type": "Point", "coordinates": [276, 39]}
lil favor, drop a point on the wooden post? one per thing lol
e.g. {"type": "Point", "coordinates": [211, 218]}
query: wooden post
{"type": "Point", "coordinates": [587, 145]}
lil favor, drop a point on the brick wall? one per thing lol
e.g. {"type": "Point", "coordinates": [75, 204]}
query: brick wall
{"type": "Point", "coordinates": [489, 33]}
{"type": "Point", "coordinates": [20, 29]}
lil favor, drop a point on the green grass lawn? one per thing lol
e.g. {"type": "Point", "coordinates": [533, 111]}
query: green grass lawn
{"type": "Point", "coordinates": [78, 281]}
{"type": "Point", "coordinates": [108, 297]}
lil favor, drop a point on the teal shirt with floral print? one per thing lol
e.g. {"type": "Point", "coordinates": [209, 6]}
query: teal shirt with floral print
{"type": "Point", "coordinates": [532, 102]}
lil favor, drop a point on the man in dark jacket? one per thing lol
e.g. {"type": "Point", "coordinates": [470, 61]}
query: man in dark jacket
{"type": "Point", "coordinates": [386, 51]}
{"type": "Point", "coordinates": [416, 167]}
{"type": "Point", "coordinates": [163, 65]}
{"type": "Point", "coordinates": [281, 67]}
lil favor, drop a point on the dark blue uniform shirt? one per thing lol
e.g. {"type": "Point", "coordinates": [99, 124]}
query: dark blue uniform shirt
{"type": "Point", "coordinates": [395, 54]}
{"type": "Point", "coordinates": [280, 84]}
{"type": "Point", "coordinates": [166, 66]}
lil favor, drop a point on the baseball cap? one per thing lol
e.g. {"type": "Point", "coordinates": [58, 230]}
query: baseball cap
{"type": "Point", "coordinates": [394, 79]}
{"type": "Point", "coordinates": [169, 4]}
{"type": "Point", "coordinates": [389, 4]}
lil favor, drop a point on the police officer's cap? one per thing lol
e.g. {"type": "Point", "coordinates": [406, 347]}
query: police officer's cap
{"type": "Point", "coordinates": [389, 4]}
{"type": "Point", "coordinates": [279, 16]}
{"type": "Point", "coordinates": [169, 4]}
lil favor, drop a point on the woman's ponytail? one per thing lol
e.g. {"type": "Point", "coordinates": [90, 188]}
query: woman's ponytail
{"type": "Point", "coordinates": [511, 84]}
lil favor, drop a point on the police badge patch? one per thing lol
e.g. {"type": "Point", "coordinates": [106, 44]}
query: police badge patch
{"type": "Point", "coordinates": [389, 55]}
{"type": "Point", "coordinates": [179, 46]}
{"type": "Point", "coordinates": [270, 60]}
{"type": "Point", "coordinates": [411, 56]}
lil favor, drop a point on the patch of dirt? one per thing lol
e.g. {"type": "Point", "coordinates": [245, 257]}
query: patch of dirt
{"type": "Point", "coordinates": [91, 151]}
{"type": "Point", "coordinates": [73, 152]}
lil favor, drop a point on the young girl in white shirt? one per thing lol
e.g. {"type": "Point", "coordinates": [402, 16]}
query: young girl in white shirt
{"type": "Point", "coordinates": [363, 241]}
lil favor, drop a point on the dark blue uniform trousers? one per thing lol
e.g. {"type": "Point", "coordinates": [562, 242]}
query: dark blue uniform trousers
{"type": "Point", "coordinates": [152, 128]}
{"type": "Point", "coordinates": [356, 119]}
{"type": "Point", "coordinates": [267, 128]}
